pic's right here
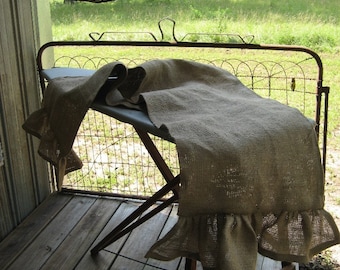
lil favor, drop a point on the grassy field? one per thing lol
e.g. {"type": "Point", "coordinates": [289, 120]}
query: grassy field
{"type": "Point", "coordinates": [310, 23]}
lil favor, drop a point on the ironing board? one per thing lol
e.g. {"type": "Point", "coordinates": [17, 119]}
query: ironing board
{"type": "Point", "coordinates": [143, 126]}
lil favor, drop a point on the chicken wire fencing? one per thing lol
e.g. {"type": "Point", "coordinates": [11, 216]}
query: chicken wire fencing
{"type": "Point", "coordinates": [116, 162]}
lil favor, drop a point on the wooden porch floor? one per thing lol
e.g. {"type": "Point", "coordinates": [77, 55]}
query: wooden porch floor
{"type": "Point", "coordinates": [60, 233]}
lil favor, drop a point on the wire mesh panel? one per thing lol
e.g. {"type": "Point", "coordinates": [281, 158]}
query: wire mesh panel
{"type": "Point", "coordinates": [115, 161]}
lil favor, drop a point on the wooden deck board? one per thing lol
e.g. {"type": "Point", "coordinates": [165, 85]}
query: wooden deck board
{"type": "Point", "coordinates": [45, 244]}
{"type": "Point", "coordinates": [60, 233]}
{"type": "Point", "coordinates": [105, 259]}
{"type": "Point", "coordinates": [82, 236]}
{"type": "Point", "coordinates": [139, 242]}
{"type": "Point", "coordinates": [25, 233]}
{"type": "Point", "coordinates": [174, 264]}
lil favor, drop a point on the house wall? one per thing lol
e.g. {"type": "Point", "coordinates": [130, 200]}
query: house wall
{"type": "Point", "coordinates": [24, 177]}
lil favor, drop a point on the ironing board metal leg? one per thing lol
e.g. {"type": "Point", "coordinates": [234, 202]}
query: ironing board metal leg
{"type": "Point", "coordinates": [142, 219]}
{"type": "Point", "coordinates": [172, 185]}
{"type": "Point", "coordinates": [122, 228]}
{"type": "Point", "coordinates": [156, 156]}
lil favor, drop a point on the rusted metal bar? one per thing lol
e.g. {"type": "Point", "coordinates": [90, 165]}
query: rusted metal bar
{"type": "Point", "coordinates": [124, 227]}
{"type": "Point", "coordinates": [156, 156]}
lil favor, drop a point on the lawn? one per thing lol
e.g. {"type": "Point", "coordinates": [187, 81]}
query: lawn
{"type": "Point", "coordinates": [311, 23]}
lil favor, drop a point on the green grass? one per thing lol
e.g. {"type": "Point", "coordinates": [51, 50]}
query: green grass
{"type": "Point", "coordinates": [312, 23]}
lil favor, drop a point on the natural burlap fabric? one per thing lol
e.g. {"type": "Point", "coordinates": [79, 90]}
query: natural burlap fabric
{"type": "Point", "coordinates": [251, 178]}
{"type": "Point", "coordinates": [233, 145]}
{"type": "Point", "coordinates": [66, 101]}
{"type": "Point", "coordinates": [231, 241]}
{"type": "Point", "coordinates": [250, 169]}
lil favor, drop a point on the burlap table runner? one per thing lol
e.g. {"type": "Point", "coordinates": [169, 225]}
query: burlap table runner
{"type": "Point", "coordinates": [251, 176]}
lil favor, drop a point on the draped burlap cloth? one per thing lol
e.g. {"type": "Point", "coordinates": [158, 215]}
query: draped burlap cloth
{"type": "Point", "coordinates": [66, 101]}
{"type": "Point", "coordinates": [251, 177]}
